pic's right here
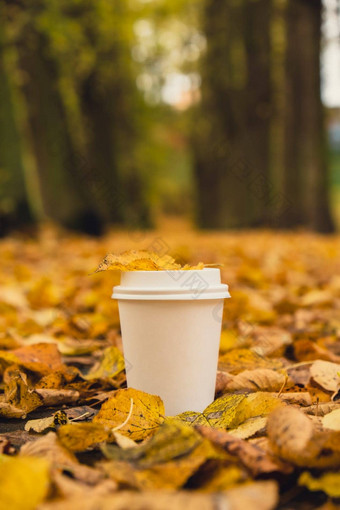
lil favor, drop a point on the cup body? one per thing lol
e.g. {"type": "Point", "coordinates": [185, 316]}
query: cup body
{"type": "Point", "coordinates": [171, 337]}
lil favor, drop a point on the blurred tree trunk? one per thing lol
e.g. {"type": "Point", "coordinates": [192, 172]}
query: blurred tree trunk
{"type": "Point", "coordinates": [305, 171]}
{"type": "Point", "coordinates": [108, 102]}
{"type": "Point", "coordinates": [231, 144]}
{"type": "Point", "coordinates": [14, 206]}
{"type": "Point", "coordinates": [50, 140]}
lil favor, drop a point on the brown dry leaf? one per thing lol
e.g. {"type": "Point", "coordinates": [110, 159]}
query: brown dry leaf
{"type": "Point", "coordinates": [326, 374]}
{"type": "Point", "coordinates": [61, 459]}
{"type": "Point", "coordinates": [24, 482]}
{"type": "Point", "coordinates": [305, 350]}
{"type": "Point", "coordinates": [332, 420]}
{"type": "Point", "coordinates": [141, 261]}
{"type": "Point", "coordinates": [261, 379]}
{"type": "Point", "coordinates": [257, 495]}
{"type": "Point", "coordinates": [77, 437]}
{"type": "Point", "coordinates": [256, 460]}
{"type": "Point", "coordinates": [19, 399]}
{"type": "Point", "coordinates": [322, 409]}
{"type": "Point", "coordinates": [67, 487]}
{"type": "Point", "coordinates": [50, 422]}
{"type": "Point", "coordinates": [135, 414]}
{"type": "Point", "coordinates": [301, 398]}
{"type": "Point", "coordinates": [294, 438]}
{"type": "Point", "coordinates": [52, 397]}
{"type": "Point", "coordinates": [270, 340]}
{"type": "Point", "coordinates": [39, 358]}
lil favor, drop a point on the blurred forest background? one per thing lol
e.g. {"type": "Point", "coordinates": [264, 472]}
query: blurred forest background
{"type": "Point", "coordinates": [119, 112]}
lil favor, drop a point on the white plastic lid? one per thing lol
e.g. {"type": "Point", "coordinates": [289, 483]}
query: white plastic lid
{"type": "Point", "coordinates": [171, 285]}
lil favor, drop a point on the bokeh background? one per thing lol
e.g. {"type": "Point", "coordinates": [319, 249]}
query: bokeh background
{"type": "Point", "coordinates": [225, 113]}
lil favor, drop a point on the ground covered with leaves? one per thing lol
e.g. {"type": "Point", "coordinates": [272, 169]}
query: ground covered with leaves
{"type": "Point", "coordinates": [73, 436]}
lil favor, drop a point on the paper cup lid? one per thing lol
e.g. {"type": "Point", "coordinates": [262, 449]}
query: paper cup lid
{"type": "Point", "coordinates": [171, 285]}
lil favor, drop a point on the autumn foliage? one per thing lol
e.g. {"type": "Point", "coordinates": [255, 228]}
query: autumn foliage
{"type": "Point", "coordinates": [73, 436]}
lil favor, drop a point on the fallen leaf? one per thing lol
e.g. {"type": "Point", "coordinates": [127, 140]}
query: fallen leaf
{"type": "Point", "coordinates": [19, 399]}
{"type": "Point", "coordinates": [302, 398]}
{"type": "Point", "coordinates": [135, 413]}
{"type": "Point", "coordinates": [61, 459]}
{"type": "Point", "coordinates": [322, 409]}
{"type": "Point", "coordinates": [52, 397]}
{"type": "Point", "coordinates": [24, 482]}
{"type": "Point", "coordinates": [332, 420]}
{"type": "Point", "coordinates": [256, 460]}
{"type": "Point", "coordinates": [222, 478]}
{"type": "Point", "coordinates": [326, 482]}
{"type": "Point", "coordinates": [124, 441]}
{"type": "Point", "coordinates": [326, 374]}
{"type": "Point", "coordinates": [293, 437]}
{"type": "Point", "coordinates": [67, 487]}
{"type": "Point", "coordinates": [257, 495]}
{"type": "Point", "coordinates": [77, 437]}
{"type": "Point", "coordinates": [43, 424]}
{"type": "Point", "coordinates": [250, 427]}
{"type": "Point", "coordinates": [110, 365]}
{"type": "Point", "coordinates": [169, 442]}
{"type": "Point", "coordinates": [317, 297]}
{"type": "Point", "coordinates": [238, 360]}
{"type": "Point", "coordinates": [307, 350]}
{"type": "Point", "coordinates": [261, 379]}
{"type": "Point", "coordinates": [231, 410]}
{"type": "Point", "coordinates": [39, 358]}
{"type": "Point", "coordinates": [141, 261]}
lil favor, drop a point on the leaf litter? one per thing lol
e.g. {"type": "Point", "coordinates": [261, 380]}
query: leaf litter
{"type": "Point", "coordinates": [72, 435]}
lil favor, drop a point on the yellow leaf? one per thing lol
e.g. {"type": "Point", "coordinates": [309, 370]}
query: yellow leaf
{"type": "Point", "coordinates": [168, 458]}
{"type": "Point", "coordinates": [141, 261]}
{"type": "Point", "coordinates": [144, 419]}
{"type": "Point", "coordinates": [24, 482]}
{"type": "Point", "coordinates": [169, 442]}
{"type": "Point", "coordinates": [189, 417]}
{"type": "Point", "coordinates": [76, 437]}
{"type": "Point", "coordinates": [317, 297]}
{"type": "Point", "coordinates": [230, 411]}
{"type": "Point", "coordinates": [250, 427]}
{"type": "Point", "coordinates": [223, 479]}
{"type": "Point", "coordinates": [110, 365]}
{"type": "Point", "coordinates": [327, 482]}
{"type": "Point", "coordinates": [173, 473]}
{"type": "Point", "coordinates": [238, 360]}
{"type": "Point", "coordinates": [229, 340]}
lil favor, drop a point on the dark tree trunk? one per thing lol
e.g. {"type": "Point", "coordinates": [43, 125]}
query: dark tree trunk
{"type": "Point", "coordinates": [55, 157]}
{"type": "Point", "coordinates": [305, 171]}
{"type": "Point", "coordinates": [14, 206]}
{"type": "Point", "coordinates": [232, 130]}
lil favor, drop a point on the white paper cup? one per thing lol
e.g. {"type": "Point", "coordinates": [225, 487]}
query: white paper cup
{"type": "Point", "coordinates": [171, 327]}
